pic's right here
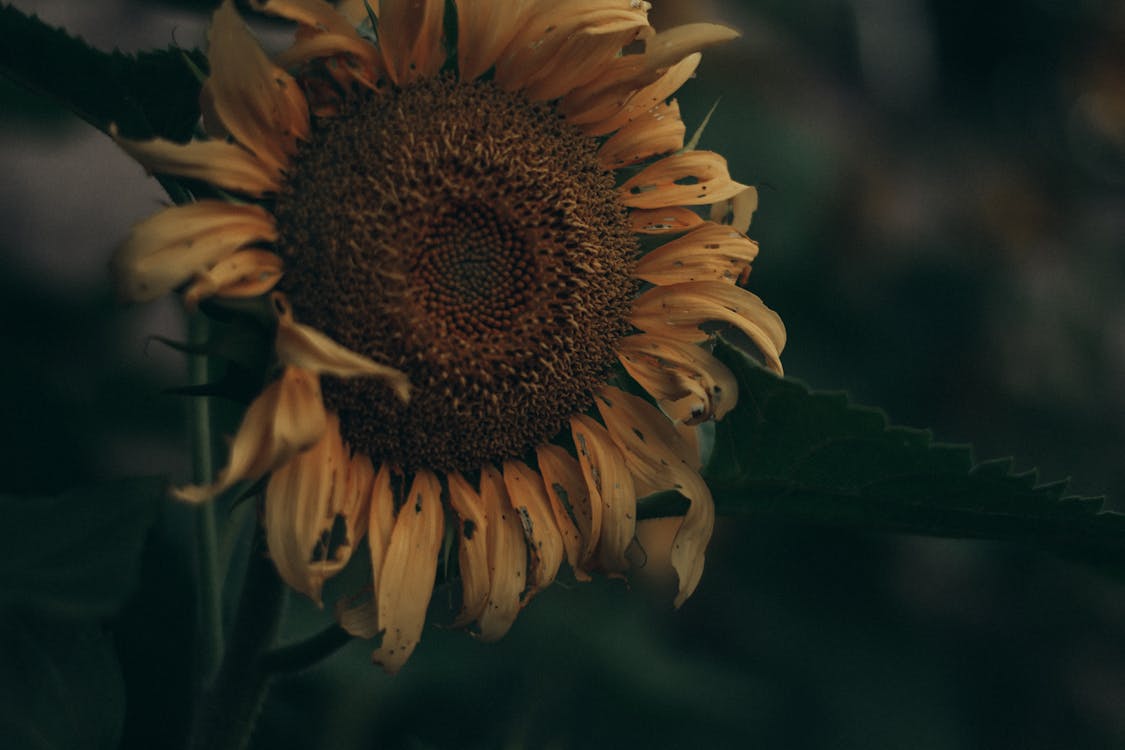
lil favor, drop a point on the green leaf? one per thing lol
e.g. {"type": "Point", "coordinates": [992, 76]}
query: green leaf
{"type": "Point", "coordinates": [149, 94]}
{"type": "Point", "coordinates": [791, 454]}
{"type": "Point", "coordinates": [76, 554]}
{"type": "Point", "coordinates": [60, 684]}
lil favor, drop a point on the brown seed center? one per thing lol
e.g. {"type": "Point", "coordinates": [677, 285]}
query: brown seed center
{"type": "Point", "coordinates": [469, 238]}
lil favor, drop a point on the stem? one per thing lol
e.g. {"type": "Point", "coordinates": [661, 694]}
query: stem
{"type": "Point", "coordinates": [225, 716]}
{"type": "Point", "coordinates": [304, 654]}
{"type": "Point", "coordinates": [208, 580]}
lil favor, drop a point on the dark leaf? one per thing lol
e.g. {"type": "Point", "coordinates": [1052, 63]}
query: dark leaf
{"type": "Point", "coordinates": [60, 684]}
{"type": "Point", "coordinates": [76, 554]}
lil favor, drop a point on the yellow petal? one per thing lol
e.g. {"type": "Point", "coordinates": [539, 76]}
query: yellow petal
{"type": "Point", "coordinates": [406, 582]}
{"type": "Point", "coordinates": [224, 165]}
{"type": "Point", "coordinates": [544, 542]}
{"type": "Point", "coordinates": [367, 68]}
{"type": "Point", "coordinates": [737, 211]}
{"type": "Point", "coordinates": [678, 310]}
{"type": "Point", "coordinates": [167, 249]}
{"type": "Point", "coordinates": [687, 179]}
{"type": "Point", "coordinates": [308, 501]}
{"type": "Point", "coordinates": [484, 29]}
{"type": "Point", "coordinates": [246, 273]}
{"type": "Point", "coordinates": [507, 557]}
{"type": "Point", "coordinates": [626, 92]}
{"type": "Point", "coordinates": [570, 503]}
{"type": "Point", "coordinates": [712, 252]}
{"type": "Point", "coordinates": [686, 380]}
{"type": "Point", "coordinates": [582, 57]}
{"type": "Point", "coordinates": [664, 220]}
{"type": "Point", "coordinates": [652, 449]}
{"type": "Point", "coordinates": [410, 36]}
{"type": "Point", "coordinates": [611, 487]}
{"type": "Point", "coordinates": [472, 550]}
{"type": "Point", "coordinates": [255, 101]}
{"type": "Point", "coordinates": [316, 14]}
{"type": "Point", "coordinates": [307, 347]}
{"type": "Point", "coordinates": [287, 417]}
{"type": "Point", "coordinates": [658, 131]}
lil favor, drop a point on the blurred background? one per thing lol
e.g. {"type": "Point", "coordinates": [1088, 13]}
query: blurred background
{"type": "Point", "coordinates": [942, 226]}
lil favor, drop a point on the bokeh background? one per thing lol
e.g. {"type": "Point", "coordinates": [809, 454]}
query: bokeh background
{"type": "Point", "coordinates": [942, 226]}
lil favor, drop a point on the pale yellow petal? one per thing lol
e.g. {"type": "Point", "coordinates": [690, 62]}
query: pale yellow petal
{"type": "Point", "coordinates": [544, 541]}
{"type": "Point", "coordinates": [507, 557]}
{"type": "Point", "coordinates": [712, 252]}
{"type": "Point", "coordinates": [472, 549]}
{"type": "Point", "coordinates": [406, 582]}
{"type": "Point", "coordinates": [410, 35]}
{"type": "Point", "coordinates": [652, 449]}
{"type": "Point", "coordinates": [246, 273]}
{"type": "Point", "coordinates": [255, 101]}
{"type": "Point", "coordinates": [570, 503]}
{"type": "Point", "coordinates": [689, 383]}
{"type": "Point", "coordinates": [664, 220]}
{"type": "Point", "coordinates": [658, 131]}
{"type": "Point", "coordinates": [688, 179]}
{"type": "Point", "coordinates": [224, 165]}
{"type": "Point", "coordinates": [287, 417]}
{"type": "Point", "coordinates": [169, 248]}
{"type": "Point", "coordinates": [737, 211]}
{"type": "Point", "coordinates": [678, 310]}
{"type": "Point", "coordinates": [611, 487]}
{"type": "Point", "coordinates": [307, 347]}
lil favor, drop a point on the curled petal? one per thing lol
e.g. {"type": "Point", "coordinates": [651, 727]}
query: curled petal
{"type": "Point", "coordinates": [287, 418]}
{"type": "Point", "coordinates": [484, 29]}
{"type": "Point", "coordinates": [677, 311]}
{"type": "Point", "coordinates": [570, 503]}
{"type": "Point", "coordinates": [359, 614]}
{"type": "Point", "coordinates": [410, 36]}
{"type": "Point", "coordinates": [611, 487]}
{"type": "Point", "coordinates": [654, 451]}
{"type": "Point", "coordinates": [246, 273]}
{"type": "Point", "coordinates": [406, 582]}
{"type": "Point", "coordinates": [737, 211]}
{"type": "Point", "coordinates": [472, 549]}
{"type": "Point", "coordinates": [254, 100]}
{"type": "Point", "coordinates": [692, 178]}
{"type": "Point", "coordinates": [170, 247]}
{"type": "Point", "coordinates": [712, 252]}
{"type": "Point", "coordinates": [686, 380]}
{"type": "Point", "coordinates": [307, 347]}
{"type": "Point", "coordinates": [533, 508]}
{"type": "Point", "coordinates": [507, 557]}
{"type": "Point", "coordinates": [315, 14]}
{"type": "Point", "coordinates": [664, 220]}
{"type": "Point", "coordinates": [658, 131]}
{"type": "Point", "coordinates": [224, 165]}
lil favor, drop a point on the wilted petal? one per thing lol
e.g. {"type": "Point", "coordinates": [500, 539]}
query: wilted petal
{"type": "Point", "coordinates": [658, 131]}
{"type": "Point", "coordinates": [224, 165]}
{"type": "Point", "coordinates": [472, 549]}
{"type": "Point", "coordinates": [582, 57]}
{"type": "Point", "coordinates": [687, 179]}
{"type": "Point", "coordinates": [307, 347]}
{"type": "Point", "coordinates": [507, 557]}
{"type": "Point", "coordinates": [611, 487]}
{"type": "Point", "coordinates": [626, 92]}
{"type": "Point", "coordinates": [737, 211]}
{"type": "Point", "coordinates": [410, 36]}
{"type": "Point", "coordinates": [664, 220]}
{"type": "Point", "coordinates": [316, 14]}
{"type": "Point", "coordinates": [712, 252]}
{"type": "Point", "coordinates": [544, 542]}
{"type": "Point", "coordinates": [570, 502]}
{"type": "Point", "coordinates": [246, 273]}
{"type": "Point", "coordinates": [287, 417]}
{"type": "Point", "coordinates": [406, 582]}
{"type": "Point", "coordinates": [167, 249]}
{"type": "Point", "coordinates": [685, 379]}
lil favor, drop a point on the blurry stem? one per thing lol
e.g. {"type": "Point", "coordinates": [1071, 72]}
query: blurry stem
{"type": "Point", "coordinates": [208, 580]}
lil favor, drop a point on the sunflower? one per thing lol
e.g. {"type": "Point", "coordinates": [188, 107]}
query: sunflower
{"type": "Point", "coordinates": [446, 205]}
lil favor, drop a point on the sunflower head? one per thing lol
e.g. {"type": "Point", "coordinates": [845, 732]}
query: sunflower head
{"type": "Point", "coordinates": [467, 330]}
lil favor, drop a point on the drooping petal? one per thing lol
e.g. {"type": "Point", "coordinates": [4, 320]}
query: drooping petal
{"type": "Point", "coordinates": [652, 449]}
{"type": "Point", "coordinates": [287, 417]}
{"type": "Point", "coordinates": [316, 14]}
{"type": "Point", "coordinates": [359, 614]}
{"type": "Point", "coordinates": [167, 249]}
{"type": "Point", "coordinates": [255, 101]}
{"type": "Point", "coordinates": [737, 211]}
{"type": "Point", "coordinates": [570, 503]}
{"type": "Point", "coordinates": [611, 487]}
{"type": "Point", "coordinates": [472, 549]}
{"type": "Point", "coordinates": [246, 273]}
{"type": "Point", "coordinates": [658, 131]}
{"type": "Point", "coordinates": [664, 220]}
{"type": "Point", "coordinates": [484, 29]}
{"type": "Point", "coordinates": [410, 37]}
{"type": "Point", "coordinates": [406, 582]}
{"type": "Point", "coordinates": [690, 384]}
{"type": "Point", "coordinates": [224, 165]}
{"type": "Point", "coordinates": [533, 508]}
{"type": "Point", "coordinates": [307, 347]}
{"type": "Point", "coordinates": [308, 501]}
{"type": "Point", "coordinates": [678, 310]}
{"type": "Point", "coordinates": [688, 179]}
{"type": "Point", "coordinates": [712, 252]}
{"type": "Point", "coordinates": [507, 557]}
